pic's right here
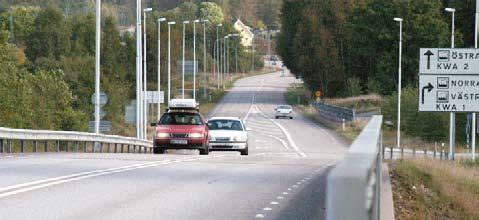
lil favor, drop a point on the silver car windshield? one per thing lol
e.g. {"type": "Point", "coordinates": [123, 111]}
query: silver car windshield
{"type": "Point", "coordinates": [232, 125]}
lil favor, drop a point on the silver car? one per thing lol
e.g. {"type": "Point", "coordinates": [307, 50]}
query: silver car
{"type": "Point", "coordinates": [283, 111]}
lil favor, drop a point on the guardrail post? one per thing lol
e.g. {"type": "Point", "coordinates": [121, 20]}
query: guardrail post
{"type": "Point", "coordinates": [10, 146]}
{"type": "Point", "coordinates": [57, 143]}
{"type": "Point", "coordinates": [22, 146]}
{"type": "Point", "coordinates": [122, 148]}
{"type": "Point", "coordinates": [128, 149]}
{"type": "Point", "coordinates": [402, 152]}
{"type": "Point", "coordinates": [391, 154]}
{"type": "Point", "coordinates": [425, 153]}
{"type": "Point", "coordinates": [101, 147]}
{"type": "Point", "coordinates": [34, 146]}
{"type": "Point", "coordinates": [1, 146]}
{"type": "Point", "coordinates": [76, 146]}
{"type": "Point", "coordinates": [109, 147]}
{"type": "Point", "coordinates": [45, 146]}
{"type": "Point", "coordinates": [85, 146]}
{"type": "Point", "coordinates": [66, 146]}
{"type": "Point", "coordinates": [414, 152]}
{"type": "Point", "coordinates": [434, 153]}
{"type": "Point", "coordinates": [115, 150]}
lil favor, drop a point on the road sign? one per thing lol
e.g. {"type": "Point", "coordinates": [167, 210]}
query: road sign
{"type": "Point", "coordinates": [102, 114]}
{"type": "Point", "coordinates": [318, 94]}
{"type": "Point", "coordinates": [103, 98]}
{"type": "Point", "coordinates": [152, 97]}
{"type": "Point", "coordinates": [449, 61]}
{"type": "Point", "coordinates": [449, 93]}
{"type": "Point", "coordinates": [130, 113]}
{"type": "Point", "coordinates": [105, 126]}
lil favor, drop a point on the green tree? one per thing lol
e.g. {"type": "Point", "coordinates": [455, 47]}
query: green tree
{"type": "Point", "coordinates": [51, 36]}
{"type": "Point", "coordinates": [212, 12]}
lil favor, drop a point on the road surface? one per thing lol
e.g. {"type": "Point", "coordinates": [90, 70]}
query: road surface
{"type": "Point", "coordinates": [282, 178]}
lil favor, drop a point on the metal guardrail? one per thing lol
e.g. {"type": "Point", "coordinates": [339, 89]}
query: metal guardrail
{"type": "Point", "coordinates": [354, 184]}
{"type": "Point", "coordinates": [82, 142]}
{"type": "Point", "coordinates": [334, 113]}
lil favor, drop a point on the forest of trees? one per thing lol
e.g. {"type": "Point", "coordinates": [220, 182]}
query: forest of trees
{"type": "Point", "coordinates": [47, 63]}
{"type": "Point", "coordinates": [330, 44]}
{"type": "Point", "coordinates": [349, 48]}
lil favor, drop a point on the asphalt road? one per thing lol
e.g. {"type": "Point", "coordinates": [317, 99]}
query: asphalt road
{"type": "Point", "coordinates": [282, 178]}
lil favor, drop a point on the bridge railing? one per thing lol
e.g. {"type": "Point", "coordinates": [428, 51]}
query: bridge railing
{"type": "Point", "coordinates": [354, 184]}
{"type": "Point", "coordinates": [22, 140]}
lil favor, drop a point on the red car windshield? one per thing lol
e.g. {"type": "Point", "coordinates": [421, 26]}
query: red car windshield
{"type": "Point", "coordinates": [181, 118]}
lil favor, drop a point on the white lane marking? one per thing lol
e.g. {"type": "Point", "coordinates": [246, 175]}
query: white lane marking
{"type": "Point", "coordinates": [19, 188]}
{"type": "Point", "coordinates": [274, 203]}
{"type": "Point", "coordinates": [285, 193]}
{"type": "Point", "coordinates": [280, 197]}
{"type": "Point", "coordinates": [288, 136]}
{"type": "Point", "coordinates": [289, 189]}
{"type": "Point", "coordinates": [253, 101]}
{"type": "Point", "coordinates": [267, 209]}
{"type": "Point", "coordinates": [285, 145]}
{"type": "Point", "coordinates": [259, 216]}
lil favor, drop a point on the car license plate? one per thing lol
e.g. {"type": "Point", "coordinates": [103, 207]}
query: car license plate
{"type": "Point", "coordinates": [182, 142]}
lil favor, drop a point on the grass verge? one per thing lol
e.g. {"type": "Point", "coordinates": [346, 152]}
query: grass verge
{"type": "Point", "coordinates": [433, 189]}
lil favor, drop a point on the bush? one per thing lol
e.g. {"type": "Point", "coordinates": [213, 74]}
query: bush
{"type": "Point", "coordinates": [353, 86]}
{"type": "Point", "coordinates": [429, 126]}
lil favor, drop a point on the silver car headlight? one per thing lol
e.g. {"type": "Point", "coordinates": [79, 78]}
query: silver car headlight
{"type": "Point", "coordinates": [211, 138]}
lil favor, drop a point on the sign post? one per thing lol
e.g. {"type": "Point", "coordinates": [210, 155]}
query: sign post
{"type": "Point", "coordinates": [449, 81]}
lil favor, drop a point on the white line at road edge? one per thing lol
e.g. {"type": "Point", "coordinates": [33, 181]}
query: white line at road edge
{"type": "Point", "coordinates": [20, 188]}
{"type": "Point", "coordinates": [288, 136]}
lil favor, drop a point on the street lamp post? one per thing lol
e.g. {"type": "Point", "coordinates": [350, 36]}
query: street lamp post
{"type": "Point", "coordinates": [183, 64]}
{"type": "Point", "coordinates": [252, 50]}
{"type": "Point", "coordinates": [159, 66]}
{"type": "Point", "coordinates": [225, 65]}
{"type": "Point", "coordinates": [452, 116]}
{"type": "Point", "coordinates": [473, 132]}
{"type": "Point", "coordinates": [97, 66]}
{"type": "Point", "coordinates": [145, 82]}
{"type": "Point", "coordinates": [399, 84]}
{"type": "Point", "coordinates": [169, 60]}
{"type": "Point", "coordinates": [194, 58]}
{"type": "Point", "coordinates": [138, 71]}
{"type": "Point", "coordinates": [218, 54]}
{"type": "Point", "coordinates": [236, 51]}
{"type": "Point", "coordinates": [205, 79]}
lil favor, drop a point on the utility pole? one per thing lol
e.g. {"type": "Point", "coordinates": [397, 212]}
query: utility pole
{"type": "Point", "coordinates": [473, 140]}
{"type": "Point", "coordinates": [194, 58]}
{"type": "Point", "coordinates": [183, 64]}
{"type": "Point", "coordinates": [169, 60]}
{"type": "Point", "coordinates": [145, 71]}
{"type": "Point", "coordinates": [138, 70]}
{"type": "Point", "coordinates": [399, 84]}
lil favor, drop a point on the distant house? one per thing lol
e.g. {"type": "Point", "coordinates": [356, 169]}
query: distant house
{"type": "Point", "coordinates": [245, 32]}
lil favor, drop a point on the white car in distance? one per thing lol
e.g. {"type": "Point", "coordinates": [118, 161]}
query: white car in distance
{"type": "Point", "coordinates": [228, 134]}
{"type": "Point", "coordinates": [283, 111]}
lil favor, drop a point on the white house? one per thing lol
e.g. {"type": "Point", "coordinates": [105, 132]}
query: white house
{"type": "Point", "coordinates": [245, 32]}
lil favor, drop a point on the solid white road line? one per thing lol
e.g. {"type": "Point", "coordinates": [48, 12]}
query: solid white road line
{"type": "Point", "coordinates": [29, 186]}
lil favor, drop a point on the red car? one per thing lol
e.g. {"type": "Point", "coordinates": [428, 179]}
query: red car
{"type": "Point", "coordinates": [181, 127]}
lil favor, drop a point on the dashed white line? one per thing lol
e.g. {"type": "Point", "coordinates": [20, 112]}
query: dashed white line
{"type": "Point", "coordinates": [267, 209]}
{"type": "Point", "coordinates": [274, 203]}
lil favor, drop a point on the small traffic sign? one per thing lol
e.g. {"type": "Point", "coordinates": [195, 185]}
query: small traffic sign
{"type": "Point", "coordinates": [103, 98]}
{"type": "Point", "coordinates": [449, 61]}
{"type": "Point", "coordinates": [152, 97]}
{"type": "Point", "coordinates": [105, 126]}
{"type": "Point", "coordinates": [318, 94]}
{"type": "Point", "coordinates": [449, 93]}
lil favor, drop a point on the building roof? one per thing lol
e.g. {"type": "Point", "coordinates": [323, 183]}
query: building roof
{"type": "Point", "coordinates": [239, 23]}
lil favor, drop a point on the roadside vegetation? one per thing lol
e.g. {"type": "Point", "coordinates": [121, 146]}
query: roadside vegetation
{"type": "Point", "coordinates": [47, 62]}
{"type": "Point", "coordinates": [433, 189]}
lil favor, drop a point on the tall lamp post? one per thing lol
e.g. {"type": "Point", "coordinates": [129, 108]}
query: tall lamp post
{"type": "Point", "coordinates": [159, 66]}
{"type": "Point", "coordinates": [97, 66]}
{"type": "Point", "coordinates": [218, 54]}
{"type": "Point", "coordinates": [183, 63]}
{"type": "Point", "coordinates": [225, 65]}
{"type": "Point", "coordinates": [473, 138]}
{"type": "Point", "coordinates": [169, 59]}
{"type": "Point", "coordinates": [252, 50]}
{"type": "Point", "coordinates": [205, 79]}
{"type": "Point", "coordinates": [452, 116]}
{"type": "Point", "coordinates": [138, 70]}
{"type": "Point", "coordinates": [194, 58]}
{"type": "Point", "coordinates": [399, 84]}
{"type": "Point", "coordinates": [236, 51]}
{"type": "Point", "coordinates": [145, 82]}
